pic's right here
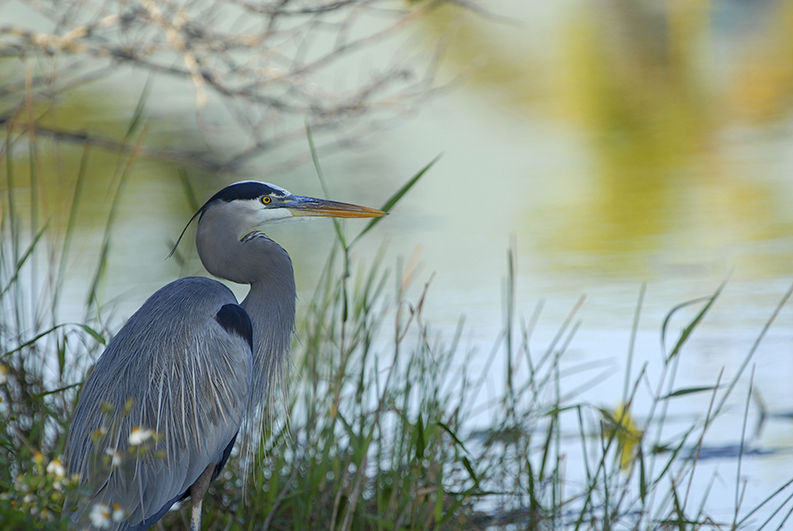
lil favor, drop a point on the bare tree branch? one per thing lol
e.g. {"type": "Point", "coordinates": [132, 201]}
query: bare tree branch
{"type": "Point", "coordinates": [261, 68]}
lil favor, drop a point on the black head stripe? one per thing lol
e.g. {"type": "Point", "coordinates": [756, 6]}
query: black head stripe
{"type": "Point", "coordinates": [245, 190]}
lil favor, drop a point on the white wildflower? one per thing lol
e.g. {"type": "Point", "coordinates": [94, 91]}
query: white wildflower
{"type": "Point", "coordinates": [115, 456]}
{"type": "Point", "coordinates": [100, 516]}
{"type": "Point", "coordinates": [56, 468]}
{"type": "Point", "coordinates": [139, 435]}
{"type": "Point", "coordinates": [118, 512]}
{"type": "Point", "coordinates": [3, 374]}
{"type": "Point", "coordinates": [20, 484]}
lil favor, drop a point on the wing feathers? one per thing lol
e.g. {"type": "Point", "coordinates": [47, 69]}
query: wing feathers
{"type": "Point", "coordinates": [185, 360]}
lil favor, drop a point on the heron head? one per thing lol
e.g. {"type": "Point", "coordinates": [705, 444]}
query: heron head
{"type": "Point", "coordinates": [252, 205]}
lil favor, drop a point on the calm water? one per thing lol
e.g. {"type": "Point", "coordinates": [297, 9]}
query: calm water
{"type": "Point", "coordinates": [609, 145]}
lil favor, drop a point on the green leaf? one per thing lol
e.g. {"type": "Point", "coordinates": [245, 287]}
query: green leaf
{"type": "Point", "coordinates": [642, 476]}
{"type": "Point", "coordinates": [321, 176]}
{"type": "Point", "coordinates": [394, 199]}
{"type": "Point", "coordinates": [420, 442]}
{"type": "Point", "coordinates": [32, 341]}
{"type": "Point", "coordinates": [24, 258]}
{"type": "Point", "coordinates": [56, 391]}
{"type": "Point", "coordinates": [457, 441]}
{"type": "Point", "coordinates": [470, 469]}
{"type": "Point", "coordinates": [91, 332]}
{"type": "Point", "coordinates": [688, 391]}
{"type": "Point", "coordinates": [137, 115]}
{"type": "Point", "coordinates": [687, 331]}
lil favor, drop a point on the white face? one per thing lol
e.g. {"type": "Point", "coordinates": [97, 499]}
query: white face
{"type": "Point", "coordinates": [265, 210]}
{"type": "Point", "coordinates": [257, 213]}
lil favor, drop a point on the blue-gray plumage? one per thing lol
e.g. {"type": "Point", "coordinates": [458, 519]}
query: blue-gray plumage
{"type": "Point", "coordinates": [192, 366]}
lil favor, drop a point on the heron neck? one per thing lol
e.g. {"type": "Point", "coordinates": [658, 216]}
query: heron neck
{"type": "Point", "coordinates": [271, 308]}
{"type": "Point", "coordinates": [270, 304]}
{"type": "Point", "coordinates": [259, 261]}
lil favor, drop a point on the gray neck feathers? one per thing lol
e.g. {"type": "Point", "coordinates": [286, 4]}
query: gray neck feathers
{"type": "Point", "coordinates": [259, 261]}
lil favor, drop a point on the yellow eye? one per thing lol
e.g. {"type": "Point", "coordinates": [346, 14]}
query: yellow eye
{"type": "Point", "coordinates": [266, 200]}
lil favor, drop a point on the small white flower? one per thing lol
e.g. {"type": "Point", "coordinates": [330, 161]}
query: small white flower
{"type": "Point", "coordinates": [115, 456]}
{"type": "Point", "coordinates": [118, 512]}
{"type": "Point", "coordinates": [56, 468]}
{"type": "Point", "coordinates": [3, 374]}
{"type": "Point", "coordinates": [100, 516]}
{"type": "Point", "coordinates": [20, 483]}
{"type": "Point", "coordinates": [139, 435]}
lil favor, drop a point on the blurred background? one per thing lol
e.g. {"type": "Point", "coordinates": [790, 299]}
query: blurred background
{"type": "Point", "coordinates": [608, 145]}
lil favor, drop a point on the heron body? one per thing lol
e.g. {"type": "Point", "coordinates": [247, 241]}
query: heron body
{"type": "Point", "coordinates": [192, 366]}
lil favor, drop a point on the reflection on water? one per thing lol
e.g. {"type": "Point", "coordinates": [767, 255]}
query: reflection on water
{"type": "Point", "coordinates": [609, 143]}
{"type": "Point", "coordinates": [677, 162]}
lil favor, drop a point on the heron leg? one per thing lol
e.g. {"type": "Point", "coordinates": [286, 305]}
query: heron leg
{"type": "Point", "coordinates": [197, 491]}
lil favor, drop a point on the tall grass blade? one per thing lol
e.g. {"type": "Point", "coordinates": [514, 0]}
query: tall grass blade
{"type": "Point", "coordinates": [396, 197]}
{"type": "Point", "coordinates": [70, 222]}
{"type": "Point", "coordinates": [741, 449]}
{"type": "Point", "coordinates": [323, 183]}
{"type": "Point", "coordinates": [30, 342]}
{"type": "Point", "coordinates": [24, 258]}
{"type": "Point", "coordinates": [136, 122]}
{"type": "Point", "coordinates": [632, 342]}
{"type": "Point", "coordinates": [754, 348]}
{"type": "Point", "coordinates": [691, 326]}
{"type": "Point", "coordinates": [688, 391]}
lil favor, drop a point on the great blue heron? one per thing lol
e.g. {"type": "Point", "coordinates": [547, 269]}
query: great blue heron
{"type": "Point", "coordinates": [190, 366]}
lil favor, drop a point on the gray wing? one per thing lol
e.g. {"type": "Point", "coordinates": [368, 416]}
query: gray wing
{"type": "Point", "coordinates": [181, 367]}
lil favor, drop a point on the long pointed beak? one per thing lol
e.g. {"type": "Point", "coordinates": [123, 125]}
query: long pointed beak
{"type": "Point", "coordinates": [311, 206]}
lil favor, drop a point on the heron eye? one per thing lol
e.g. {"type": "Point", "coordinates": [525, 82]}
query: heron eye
{"type": "Point", "coordinates": [266, 200]}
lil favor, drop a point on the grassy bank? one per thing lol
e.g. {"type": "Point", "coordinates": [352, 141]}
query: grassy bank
{"type": "Point", "coordinates": [378, 434]}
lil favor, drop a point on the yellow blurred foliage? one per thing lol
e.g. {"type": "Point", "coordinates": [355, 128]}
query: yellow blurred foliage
{"type": "Point", "coordinates": [627, 434]}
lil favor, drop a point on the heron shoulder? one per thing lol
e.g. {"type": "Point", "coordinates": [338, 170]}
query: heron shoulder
{"type": "Point", "coordinates": [195, 291]}
{"type": "Point", "coordinates": [235, 320]}
{"type": "Point", "coordinates": [176, 308]}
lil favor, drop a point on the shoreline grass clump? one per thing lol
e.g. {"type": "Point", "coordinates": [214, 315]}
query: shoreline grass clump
{"type": "Point", "coordinates": [39, 350]}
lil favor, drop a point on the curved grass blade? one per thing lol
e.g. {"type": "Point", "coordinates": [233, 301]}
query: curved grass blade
{"type": "Point", "coordinates": [321, 176]}
{"type": "Point", "coordinates": [394, 199]}
{"type": "Point", "coordinates": [688, 391]}
{"type": "Point", "coordinates": [24, 258]}
{"type": "Point", "coordinates": [687, 331]}
{"type": "Point", "coordinates": [90, 331]}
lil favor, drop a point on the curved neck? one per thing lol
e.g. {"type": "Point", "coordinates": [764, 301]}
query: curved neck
{"type": "Point", "coordinates": [227, 252]}
{"type": "Point", "coordinates": [261, 262]}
